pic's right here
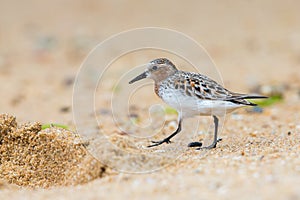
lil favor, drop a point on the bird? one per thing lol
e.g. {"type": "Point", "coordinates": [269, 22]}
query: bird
{"type": "Point", "coordinates": [192, 94]}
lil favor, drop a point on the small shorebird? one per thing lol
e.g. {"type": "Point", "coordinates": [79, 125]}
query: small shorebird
{"type": "Point", "coordinates": [192, 94]}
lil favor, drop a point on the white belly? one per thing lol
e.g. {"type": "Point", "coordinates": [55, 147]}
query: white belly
{"type": "Point", "coordinates": [190, 106]}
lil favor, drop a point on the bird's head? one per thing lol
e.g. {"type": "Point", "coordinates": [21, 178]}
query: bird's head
{"type": "Point", "coordinates": [158, 70]}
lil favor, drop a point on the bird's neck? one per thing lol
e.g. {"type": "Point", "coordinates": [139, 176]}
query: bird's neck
{"type": "Point", "coordinates": [156, 88]}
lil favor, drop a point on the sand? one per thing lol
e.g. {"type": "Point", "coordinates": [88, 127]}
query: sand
{"type": "Point", "coordinates": [33, 157]}
{"type": "Point", "coordinates": [253, 43]}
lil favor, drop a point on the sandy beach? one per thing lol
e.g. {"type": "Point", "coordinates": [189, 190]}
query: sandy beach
{"type": "Point", "coordinates": [254, 46]}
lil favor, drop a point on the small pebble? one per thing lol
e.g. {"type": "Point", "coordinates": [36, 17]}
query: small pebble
{"type": "Point", "coordinates": [257, 109]}
{"type": "Point", "coordinates": [262, 157]}
{"type": "Point", "coordinates": [172, 125]}
{"type": "Point", "coordinates": [45, 43]}
{"type": "Point", "coordinates": [195, 144]}
{"type": "Point", "coordinates": [68, 81]}
{"type": "Point", "coordinates": [133, 115]}
{"type": "Point", "coordinates": [103, 111]}
{"type": "Point", "coordinates": [65, 109]}
{"type": "Point", "coordinates": [252, 134]}
{"type": "Point", "coordinates": [237, 117]}
{"type": "Point", "coordinates": [201, 132]}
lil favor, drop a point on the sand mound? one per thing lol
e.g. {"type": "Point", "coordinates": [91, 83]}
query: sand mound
{"type": "Point", "coordinates": [33, 157]}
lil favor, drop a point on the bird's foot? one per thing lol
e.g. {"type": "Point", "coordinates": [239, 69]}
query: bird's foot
{"type": "Point", "coordinates": [157, 143]}
{"type": "Point", "coordinates": [212, 146]}
{"type": "Point", "coordinates": [199, 145]}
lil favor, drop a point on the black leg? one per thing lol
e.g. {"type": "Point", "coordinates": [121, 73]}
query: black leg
{"type": "Point", "coordinates": [216, 140]}
{"type": "Point", "coordinates": [167, 139]}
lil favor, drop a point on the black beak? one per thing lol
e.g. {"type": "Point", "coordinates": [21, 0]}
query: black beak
{"type": "Point", "coordinates": [139, 77]}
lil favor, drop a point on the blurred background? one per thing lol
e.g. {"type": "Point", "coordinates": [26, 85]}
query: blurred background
{"type": "Point", "coordinates": [43, 43]}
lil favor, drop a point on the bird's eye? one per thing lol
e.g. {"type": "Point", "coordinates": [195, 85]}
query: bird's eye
{"type": "Point", "coordinates": [154, 67]}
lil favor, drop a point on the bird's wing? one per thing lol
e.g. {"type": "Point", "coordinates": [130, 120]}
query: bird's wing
{"type": "Point", "coordinates": [204, 88]}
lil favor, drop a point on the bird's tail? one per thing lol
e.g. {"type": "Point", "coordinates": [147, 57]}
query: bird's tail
{"type": "Point", "coordinates": [241, 99]}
